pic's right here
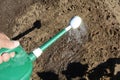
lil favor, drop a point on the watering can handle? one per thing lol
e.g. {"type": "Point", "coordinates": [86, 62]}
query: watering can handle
{"type": "Point", "coordinates": [17, 68]}
{"type": "Point", "coordinates": [6, 50]}
{"type": "Point", "coordinates": [20, 56]}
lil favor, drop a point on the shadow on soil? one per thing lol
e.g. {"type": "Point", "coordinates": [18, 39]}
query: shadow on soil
{"type": "Point", "coordinates": [105, 69]}
{"type": "Point", "coordinates": [76, 69]}
{"type": "Point", "coordinates": [36, 24]}
{"type": "Point", "coordinates": [48, 75]}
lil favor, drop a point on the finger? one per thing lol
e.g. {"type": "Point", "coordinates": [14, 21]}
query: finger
{"type": "Point", "coordinates": [14, 44]}
{"type": "Point", "coordinates": [8, 44]}
{"type": "Point", "coordinates": [5, 57]}
{"type": "Point", "coordinates": [12, 54]}
{"type": "Point", "coordinates": [1, 59]}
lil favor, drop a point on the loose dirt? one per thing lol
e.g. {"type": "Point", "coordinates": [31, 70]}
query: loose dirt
{"type": "Point", "coordinates": [97, 57]}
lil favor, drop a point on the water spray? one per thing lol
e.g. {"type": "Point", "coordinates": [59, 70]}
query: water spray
{"type": "Point", "coordinates": [20, 67]}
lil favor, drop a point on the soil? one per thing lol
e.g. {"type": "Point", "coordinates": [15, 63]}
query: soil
{"type": "Point", "coordinates": [96, 57]}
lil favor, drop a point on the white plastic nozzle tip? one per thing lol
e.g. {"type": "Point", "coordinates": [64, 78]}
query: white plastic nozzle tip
{"type": "Point", "coordinates": [75, 22]}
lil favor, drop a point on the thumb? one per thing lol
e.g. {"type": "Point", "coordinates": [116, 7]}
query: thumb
{"type": "Point", "coordinates": [9, 44]}
{"type": "Point", "coordinates": [15, 44]}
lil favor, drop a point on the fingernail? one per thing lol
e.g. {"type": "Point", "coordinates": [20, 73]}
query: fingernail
{"type": "Point", "coordinates": [16, 43]}
{"type": "Point", "coordinates": [12, 55]}
{"type": "Point", "coordinates": [5, 57]}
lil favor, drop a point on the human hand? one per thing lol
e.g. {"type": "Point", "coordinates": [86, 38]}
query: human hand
{"type": "Point", "coordinates": [5, 42]}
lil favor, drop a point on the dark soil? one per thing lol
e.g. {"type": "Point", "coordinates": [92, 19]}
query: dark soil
{"type": "Point", "coordinates": [97, 58]}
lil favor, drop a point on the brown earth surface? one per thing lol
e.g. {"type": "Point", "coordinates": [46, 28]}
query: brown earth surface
{"type": "Point", "coordinates": [70, 58]}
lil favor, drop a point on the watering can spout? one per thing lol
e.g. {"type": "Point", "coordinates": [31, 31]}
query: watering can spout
{"type": "Point", "coordinates": [75, 22]}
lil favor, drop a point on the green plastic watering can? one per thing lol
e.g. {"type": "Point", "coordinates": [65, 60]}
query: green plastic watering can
{"type": "Point", "coordinates": [20, 67]}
